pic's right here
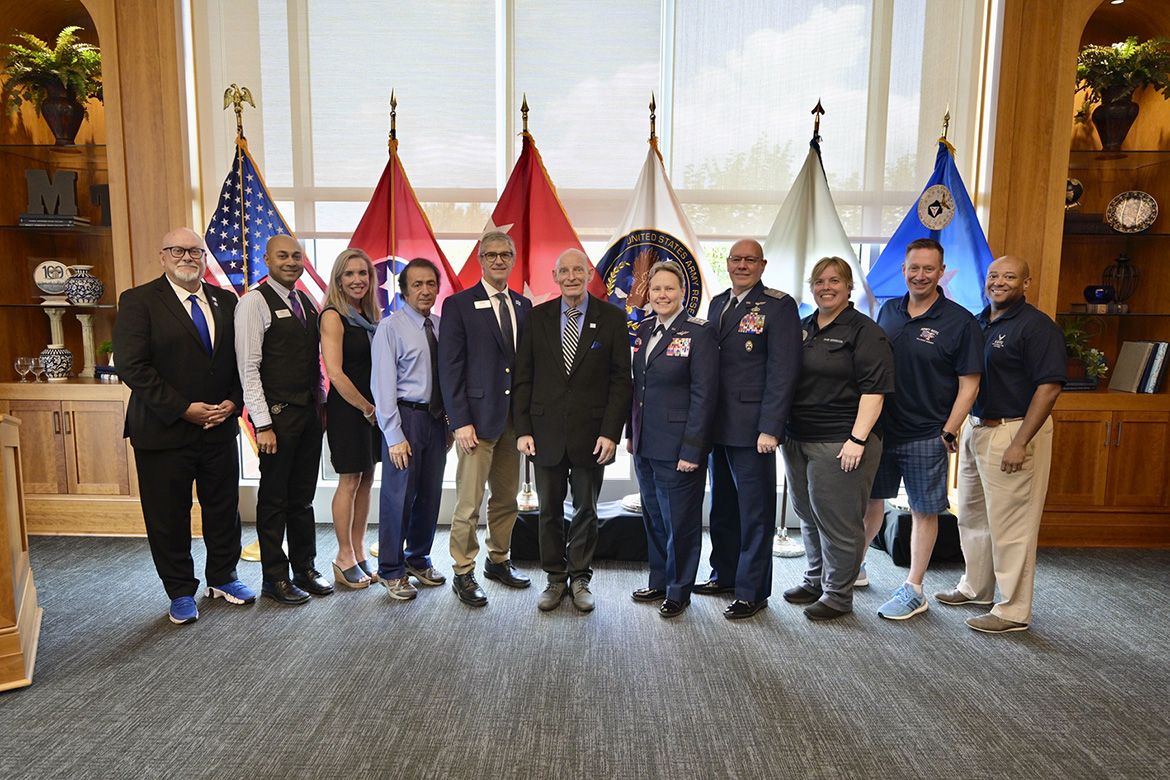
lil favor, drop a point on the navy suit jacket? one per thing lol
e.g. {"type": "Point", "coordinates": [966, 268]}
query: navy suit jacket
{"type": "Point", "coordinates": [674, 396]}
{"type": "Point", "coordinates": [759, 364]}
{"type": "Point", "coordinates": [161, 358]}
{"type": "Point", "coordinates": [568, 412]}
{"type": "Point", "coordinates": [475, 374]}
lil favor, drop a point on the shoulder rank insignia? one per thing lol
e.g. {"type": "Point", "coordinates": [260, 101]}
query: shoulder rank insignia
{"type": "Point", "coordinates": [775, 293]}
{"type": "Point", "coordinates": [696, 320]}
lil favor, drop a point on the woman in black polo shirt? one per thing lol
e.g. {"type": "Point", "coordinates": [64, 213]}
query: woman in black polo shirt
{"type": "Point", "coordinates": [833, 444]}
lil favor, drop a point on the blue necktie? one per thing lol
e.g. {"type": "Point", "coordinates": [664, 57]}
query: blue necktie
{"type": "Point", "coordinates": [200, 322]}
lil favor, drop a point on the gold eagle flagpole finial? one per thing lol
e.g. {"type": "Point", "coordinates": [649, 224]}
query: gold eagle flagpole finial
{"type": "Point", "coordinates": [946, 120]}
{"type": "Point", "coordinates": [524, 112]}
{"type": "Point", "coordinates": [237, 96]}
{"type": "Point", "coordinates": [817, 113]}
{"type": "Point", "coordinates": [652, 107]}
{"type": "Point", "coordinates": [393, 117]}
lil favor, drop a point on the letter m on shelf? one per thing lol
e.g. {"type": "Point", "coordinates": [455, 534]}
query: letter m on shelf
{"type": "Point", "coordinates": [58, 196]}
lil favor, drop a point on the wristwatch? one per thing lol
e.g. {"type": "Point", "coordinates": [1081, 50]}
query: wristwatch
{"type": "Point", "coordinates": [948, 437]}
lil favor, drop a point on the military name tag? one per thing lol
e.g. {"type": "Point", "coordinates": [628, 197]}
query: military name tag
{"type": "Point", "coordinates": [752, 323]}
{"type": "Point", "coordinates": [483, 304]}
{"type": "Point", "coordinates": [679, 348]}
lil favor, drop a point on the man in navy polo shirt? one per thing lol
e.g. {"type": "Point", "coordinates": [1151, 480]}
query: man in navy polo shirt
{"type": "Point", "coordinates": [1006, 452]}
{"type": "Point", "coordinates": [938, 356]}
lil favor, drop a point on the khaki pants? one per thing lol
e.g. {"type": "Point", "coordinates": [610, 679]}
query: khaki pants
{"type": "Point", "coordinates": [999, 516]}
{"type": "Point", "coordinates": [497, 463]}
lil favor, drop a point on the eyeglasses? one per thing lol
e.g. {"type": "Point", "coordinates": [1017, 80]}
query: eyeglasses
{"type": "Point", "coordinates": [744, 259]}
{"type": "Point", "coordinates": [177, 252]}
{"type": "Point", "coordinates": [490, 256]}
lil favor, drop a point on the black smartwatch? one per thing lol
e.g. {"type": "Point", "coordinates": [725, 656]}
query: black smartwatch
{"type": "Point", "coordinates": [948, 437]}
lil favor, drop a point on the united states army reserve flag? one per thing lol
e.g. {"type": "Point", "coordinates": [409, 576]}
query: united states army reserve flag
{"type": "Point", "coordinates": [943, 212]}
{"type": "Point", "coordinates": [807, 229]}
{"type": "Point", "coordinates": [654, 228]}
{"type": "Point", "coordinates": [395, 230]}
{"type": "Point", "coordinates": [238, 232]}
{"type": "Point", "coordinates": [530, 212]}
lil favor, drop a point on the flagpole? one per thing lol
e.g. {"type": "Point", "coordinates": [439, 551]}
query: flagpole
{"type": "Point", "coordinates": [391, 298]}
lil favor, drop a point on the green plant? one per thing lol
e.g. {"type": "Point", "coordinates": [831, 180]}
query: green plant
{"type": "Point", "coordinates": [33, 70]}
{"type": "Point", "coordinates": [1078, 332]}
{"type": "Point", "coordinates": [106, 347]}
{"type": "Point", "coordinates": [1121, 69]}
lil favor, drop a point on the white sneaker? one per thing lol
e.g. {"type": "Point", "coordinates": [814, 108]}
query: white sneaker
{"type": "Point", "coordinates": [862, 580]}
{"type": "Point", "coordinates": [400, 588]}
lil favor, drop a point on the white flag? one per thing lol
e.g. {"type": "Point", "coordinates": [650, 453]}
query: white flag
{"type": "Point", "coordinates": [807, 229]}
{"type": "Point", "coordinates": [654, 228]}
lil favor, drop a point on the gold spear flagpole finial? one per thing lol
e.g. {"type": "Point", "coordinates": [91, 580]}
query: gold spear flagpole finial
{"type": "Point", "coordinates": [947, 120]}
{"type": "Point", "coordinates": [237, 96]}
{"type": "Point", "coordinates": [817, 113]}
{"type": "Point", "coordinates": [393, 116]}
{"type": "Point", "coordinates": [524, 111]}
{"type": "Point", "coordinates": [652, 116]}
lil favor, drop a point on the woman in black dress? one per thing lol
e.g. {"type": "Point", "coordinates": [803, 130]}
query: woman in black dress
{"type": "Point", "coordinates": [348, 321]}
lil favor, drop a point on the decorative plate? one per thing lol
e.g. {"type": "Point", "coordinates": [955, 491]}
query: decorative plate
{"type": "Point", "coordinates": [50, 276]}
{"type": "Point", "coordinates": [1131, 212]}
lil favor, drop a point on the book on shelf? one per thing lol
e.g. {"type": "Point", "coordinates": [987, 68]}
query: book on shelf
{"type": "Point", "coordinates": [53, 220]}
{"type": "Point", "coordinates": [1152, 377]}
{"type": "Point", "coordinates": [1099, 308]}
{"type": "Point", "coordinates": [1130, 366]}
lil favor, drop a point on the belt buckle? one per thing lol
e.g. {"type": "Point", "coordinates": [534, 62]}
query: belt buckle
{"type": "Point", "coordinates": [278, 408]}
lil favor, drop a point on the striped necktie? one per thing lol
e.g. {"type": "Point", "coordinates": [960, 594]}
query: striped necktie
{"type": "Point", "coordinates": [570, 340]}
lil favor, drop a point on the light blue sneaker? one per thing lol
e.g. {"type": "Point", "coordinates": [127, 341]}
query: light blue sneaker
{"type": "Point", "coordinates": [862, 580]}
{"type": "Point", "coordinates": [904, 603]}
{"type": "Point", "coordinates": [234, 592]}
{"type": "Point", "coordinates": [183, 610]}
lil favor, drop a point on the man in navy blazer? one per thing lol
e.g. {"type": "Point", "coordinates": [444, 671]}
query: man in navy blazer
{"type": "Point", "coordinates": [572, 398]}
{"type": "Point", "coordinates": [477, 353]}
{"type": "Point", "coordinates": [676, 380]}
{"type": "Point", "coordinates": [759, 363]}
{"type": "Point", "coordinates": [175, 342]}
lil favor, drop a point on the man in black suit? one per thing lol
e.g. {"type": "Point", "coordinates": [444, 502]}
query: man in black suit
{"type": "Point", "coordinates": [174, 338]}
{"type": "Point", "coordinates": [571, 398]}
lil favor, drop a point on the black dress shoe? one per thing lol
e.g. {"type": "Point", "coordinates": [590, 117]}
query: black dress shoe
{"type": "Point", "coordinates": [283, 592]}
{"type": "Point", "coordinates": [713, 588]}
{"type": "Point", "coordinates": [671, 608]}
{"type": "Point", "coordinates": [648, 594]}
{"type": "Point", "coordinates": [822, 611]}
{"type": "Point", "coordinates": [801, 595]}
{"type": "Point", "coordinates": [311, 580]}
{"type": "Point", "coordinates": [468, 590]}
{"type": "Point", "coordinates": [743, 609]}
{"type": "Point", "coordinates": [506, 573]}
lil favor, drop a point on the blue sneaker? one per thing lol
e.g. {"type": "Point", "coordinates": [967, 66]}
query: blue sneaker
{"type": "Point", "coordinates": [904, 603]}
{"type": "Point", "coordinates": [862, 580]}
{"type": "Point", "coordinates": [234, 592]}
{"type": "Point", "coordinates": [183, 610]}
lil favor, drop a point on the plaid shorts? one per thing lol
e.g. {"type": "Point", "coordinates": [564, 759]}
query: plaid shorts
{"type": "Point", "coordinates": [922, 465]}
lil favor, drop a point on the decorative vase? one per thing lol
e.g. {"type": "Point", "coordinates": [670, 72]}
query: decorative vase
{"type": "Point", "coordinates": [62, 115]}
{"type": "Point", "coordinates": [1113, 118]}
{"type": "Point", "coordinates": [57, 362]}
{"type": "Point", "coordinates": [1075, 367]}
{"type": "Point", "coordinates": [83, 289]}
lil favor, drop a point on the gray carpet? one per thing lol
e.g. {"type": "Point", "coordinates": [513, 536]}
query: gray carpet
{"type": "Point", "coordinates": [357, 686]}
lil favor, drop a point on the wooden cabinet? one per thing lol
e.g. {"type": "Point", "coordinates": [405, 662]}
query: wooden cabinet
{"type": "Point", "coordinates": [1110, 459]}
{"type": "Point", "coordinates": [20, 617]}
{"type": "Point", "coordinates": [78, 449]}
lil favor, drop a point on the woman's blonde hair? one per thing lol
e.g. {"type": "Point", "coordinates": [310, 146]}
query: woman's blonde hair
{"type": "Point", "coordinates": [843, 270]}
{"type": "Point", "coordinates": [336, 297]}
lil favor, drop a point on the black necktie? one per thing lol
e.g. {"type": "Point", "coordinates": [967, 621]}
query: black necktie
{"type": "Point", "coordinates": [730, 307]}
{"type": "Point", "coordinates": [658, 331]}
{"type": "Point", "coordinates": [435, 407]}
{"type": "Point", "coordinates": [506, 326]}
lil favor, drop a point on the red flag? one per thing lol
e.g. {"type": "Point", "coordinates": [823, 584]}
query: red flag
{"type": "Point", "coordinates": [394, 230]}
{"type": "Point", "coordinates": [530, 212]}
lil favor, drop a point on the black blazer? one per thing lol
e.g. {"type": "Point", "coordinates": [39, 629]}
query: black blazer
{"type": "Point", "coordinates": [162, 359]}
{"type": "Point", "coordinates": [568, 412]}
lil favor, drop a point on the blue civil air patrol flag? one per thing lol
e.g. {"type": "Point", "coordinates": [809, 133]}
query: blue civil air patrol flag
{"type": "Point", "coordinates": [943, 212]}
{"type": "Point", "coordinates": [240, 228]}
{"type": "Point", "coordinates": [654, 228]}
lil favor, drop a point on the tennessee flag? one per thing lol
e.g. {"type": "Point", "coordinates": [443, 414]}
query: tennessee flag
{"type": "Point", "coordinates": [943, 212]}
{"type": "Point", "coordinates": [654, 228]}
{"type": "Point", "coordinates": [237, 235]}
{"type": "Point", "coordinates": [394, 230]}
{"type": "Point", "coordinates": [530, 212]}
{"type": "Point", "coordinates": [807, 229]}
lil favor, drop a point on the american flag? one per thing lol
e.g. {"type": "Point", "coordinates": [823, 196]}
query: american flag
{"type": "Point", "coordinates": [238, 232]}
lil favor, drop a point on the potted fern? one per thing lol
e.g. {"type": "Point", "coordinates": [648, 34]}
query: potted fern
{"type": "Point", "coordinates": [58, 80]}
{"type": "Point", "coordinates": [1109, 75]}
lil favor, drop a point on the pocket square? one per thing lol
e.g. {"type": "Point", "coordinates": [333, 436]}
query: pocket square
{"type": "Point", "coordinates": [596, 345]}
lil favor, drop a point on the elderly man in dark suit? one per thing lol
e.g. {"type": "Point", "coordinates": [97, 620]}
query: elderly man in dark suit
{"type": "Point", "coordinates": [477, 352]}
{"type": "Point", "coordinates": [759, 363]}
{"type": "Point", "coordinates": [174, 338]}
{"type": "Point", "coordinates": [571, 398]}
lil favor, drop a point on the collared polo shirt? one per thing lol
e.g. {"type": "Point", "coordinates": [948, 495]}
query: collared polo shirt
{"type": "Point", "coordinates": [931, 352]}
{"type": "Point", "coordinates": [849, 358]}
{"type": "Point", "coordinates": [1022, 349]}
